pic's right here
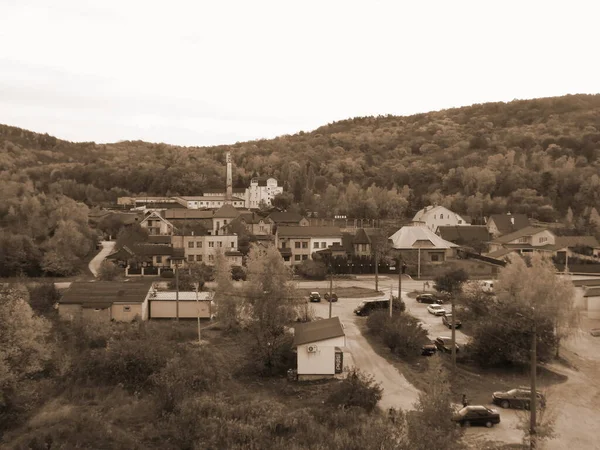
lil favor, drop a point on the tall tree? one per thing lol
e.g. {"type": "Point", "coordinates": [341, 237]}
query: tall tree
{"type": "Point", "coordinates": [227, 303]}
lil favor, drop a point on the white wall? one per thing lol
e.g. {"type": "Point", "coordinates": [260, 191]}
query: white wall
{"type": "Point", "coordinates": [322, 362]}
{"type": "Point", "coordinates": [328, 242]}
{"type": "Point", "coordinates": [167, 309]}
{"type": "Point", "coordinates": [593, 307]}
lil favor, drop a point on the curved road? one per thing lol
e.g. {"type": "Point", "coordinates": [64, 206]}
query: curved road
{"type": "Point", "coordinates": [107, 248]}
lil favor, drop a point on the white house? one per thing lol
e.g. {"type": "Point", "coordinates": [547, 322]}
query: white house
{"type": "Point", "coordinates": [155, 224]}
{"type": "Point", "coordinates": [524, 241]}
{"type": "Point", "coordinates": [297, 243]}
{"type": "Point", "coordinates": [319, 348]}
{"type": "Point", "coordinates": [429, 247]}
{"type": "Point", "coordinates": [435, 216]}
{"type": "Point", "coordinates": [261, 190]}
{"type": "Point", "coordinates": [202, 249]}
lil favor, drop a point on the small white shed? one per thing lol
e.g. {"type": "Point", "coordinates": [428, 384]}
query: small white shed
{"type": "Point", "coordinates": [318, 345]}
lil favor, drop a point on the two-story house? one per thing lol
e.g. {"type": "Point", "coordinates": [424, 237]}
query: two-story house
{"type": "Point", "coordinates": [222, 217]}
{"type": "Point", "coordinates": [524, 241]}
{"type": "Point", "coordinates": [434, 216]}
{"type": "Point", "coordinates": [255, 224]}
{"type": "Point", "coordinates": [298, 243]}
{"type": "Point", "coordinates": [155, 224]}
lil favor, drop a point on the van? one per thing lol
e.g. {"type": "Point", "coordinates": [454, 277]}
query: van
{"type": "Point", "coordinates": [365, 308]}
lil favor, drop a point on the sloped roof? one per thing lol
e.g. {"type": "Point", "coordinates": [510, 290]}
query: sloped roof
{"type": "Point", "coordinates": [588, 282]}
{"type": "Point", "coordinates": [285, 217]}
{"type": "Point", "coordinates": [576, 241]}
{"type": "Point", "coordinates": [361, 237]}
{"type": "Point", "coordinates": [159, 239]}
{"type": "Point", "coordinates": [226, 212]}
{"type": "Point", "coordinates": [464, 233]}
{"type": "Point", "coordinates": [253, 217]}
{"type": "Point", "coordinates": [504, 224]}
{"type": "Point", "coordinates": [316, 331]}
{"type": "Point", "coordinates": [500, 253]}
{"type": "Point", "coordinates": [308, 232]}
{"type": "Point", "coordinates": [106, 292]}
{"type": "Point", "coordinates": [419, 216]}
{"type": "Point", "coordinates": [523, 232]}
{"type": "Point", "coordinates": [188, 214]}
{"type": "Point", "coordinates": [410, 237]}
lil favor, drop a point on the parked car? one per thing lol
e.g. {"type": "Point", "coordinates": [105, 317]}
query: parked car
{"type": "Point", "coordinates": [334, 297]}
{"type": "Point", "coordinates": [517, 398]}
{"type": "Point", "coordinates": [477, 415]}
{"type": "Point", "coordinates": [436, 310]}
{"type": "Point", "coordinates": [314, 297]}
{"type": "Point", "coordinates": [447, 320]}
{"type": "Point", "coordinates": [429, 298]}
{"type": "Point", "coordinates": [365, 308]}
{"type": "Point", "coordinates": [444, 344]}
{"type": "Point", "coordinates": [428, 349]}
{"type": "Point", "coordinates": [595, 332]}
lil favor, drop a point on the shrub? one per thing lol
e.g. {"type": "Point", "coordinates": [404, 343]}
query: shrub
{"type": "Point", "coordinates": [108, 271]}
{"type": "Point", "coordinates": [357, 389]}
{"type": "Point", "coordinates": [273, 360]}
{"type": "Point", "coordinates": [238, 273]}
{"type": "Point", "coordinates": [313, 270]}
{"type": "Point", "coordinates": [43, 297]}
{"type": "Point", "coordinates": [402, 334]}
{"type": "Point", "coordinates": [167, 274]}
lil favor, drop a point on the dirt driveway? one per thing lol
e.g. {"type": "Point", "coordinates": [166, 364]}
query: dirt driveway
{"type": "Point", "coordinates": [107, 248]}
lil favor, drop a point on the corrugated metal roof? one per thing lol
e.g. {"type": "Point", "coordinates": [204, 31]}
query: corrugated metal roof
{"type": "Point", "coordinates": [318, 330]}
{"type": "Point", "coordinates": [106, 292]}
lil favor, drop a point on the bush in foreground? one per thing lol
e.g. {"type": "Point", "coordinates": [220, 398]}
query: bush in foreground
{"type": "Point", "coordinates": [402, 333]}
{"type": "Point", "coordinates": [357, 390]}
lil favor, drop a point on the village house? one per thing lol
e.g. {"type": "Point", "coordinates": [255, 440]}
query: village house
{"type": "Point", "coordinates": [222, 217]}
{"type": "Point", "coordinates": [475, 237]}
{"type": "Point", "coordinates": [581, 247]}
{"type": "Point", "coordinates": [255, 224]}
{"type": "Point", "coordinates": [298, 243]}
{"type": "Point", "coordinates": [501, 224]}
{"type": "Point", "coordinates": [434, 216]}
{"type": "Point", "coordinates": [148, 256]}
{"type": "Point", "coordinates": [202, 249]}
{"type": "Point", "coordinates": [288, 219]}
{"type": "Point", "coordinates": [524, 241]}
{"type": "Point", "coordinates": [319, 348]}
{"type": "Point", "coordinates": [155, 224]}
{"type": "Point", "coordinates": [106, 300]}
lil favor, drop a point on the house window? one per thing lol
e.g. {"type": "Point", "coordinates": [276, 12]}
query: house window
{"type": "Point", "coordinates": [304, 257]}
{"type": "Point", "coordinates": [224, 222]}
{"type": "Point", "coordinates": [199, 258]}
{"type": "Point", "coordinates": [523, 240]}
{"type": "Point", "coordinates": [434, 216]}
{"type": "Point", "coordinates": [191, 258]}
{"type": "Point", "coordinates": [199, 244]}
{"type": "Point", "coordinates": [305, 245]}
{"type": "Point", "coordinates": [323, 244]}
{"type": "Point", "coordinates": [297, 244]}
{"type": "Point", "coordinates": [220, 244]}
{"type": "Point", "coordinates": [232, 244]}
{"type": "Point", "coordinates": [435, 257]}
{"type": "Point", "coordinates": [316, 245]}
{"type": "Point", "coordinates": [441, 216]}
{"type": "Point", "coordinates": [286, 258]}
{"type": "Point", "coordinates": [211, 244]}
{"type": "Point", "coordinates": [126, 308]}
{"type": "Point", "coordinates": [191, 244]}
{"type": "Point", "coordinates": [211, 257]}
{"type": "Point", "coordinates": [262, 228]}
{"type": "Point", "coordinates": [543, 239]}
{"type": "Point", "coordinates": [159, 260]}
{"type": "Point", "coordinates": [296, 257]}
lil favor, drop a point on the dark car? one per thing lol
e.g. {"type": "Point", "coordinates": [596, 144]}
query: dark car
{"type": "Point", "coordinates": [429, 298]}
{"type": "Point", "coordinates": [444, 344]}
{"type": "Point", "coordinates": [428, 349]}
{"type": "Point", "coordinates": [517, 398]}
{"type": "Point", "coordinates": [477, 415]}
{"type": "Point", "coordinates": [334, 297]}
{"type": "Point", "coordinates": [314, 297]}
{"type": "Point", "coordinates": [447, 320]}
{"type": "Point", "coordinates": [365, 308]}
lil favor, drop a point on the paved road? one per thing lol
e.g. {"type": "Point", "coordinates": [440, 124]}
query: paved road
{"type": "Point", "coordinates": [107, 248]}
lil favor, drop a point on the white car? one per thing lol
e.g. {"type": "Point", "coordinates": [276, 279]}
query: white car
{"type": "Point", "coordinates": [436, 310]}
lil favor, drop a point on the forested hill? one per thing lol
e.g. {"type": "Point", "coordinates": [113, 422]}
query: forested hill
{"type": "Point", "coordinates": [535, 156]}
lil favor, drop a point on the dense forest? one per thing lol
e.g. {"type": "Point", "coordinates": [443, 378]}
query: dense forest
{"type": "Point", "coordinates": [539, 157]}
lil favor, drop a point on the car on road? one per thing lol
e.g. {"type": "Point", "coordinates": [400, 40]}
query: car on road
{"type": "Point", "coordinates": [444, 344]}
{"type": "Point", "coordinates": [428, 349]}
{"type": "Point", "coordinates": [447, 320]}
{"type": "Point", "coordinates": [519, 398]}
{"type": "Point", "coordinates": [429, 298]}
{"type": "Point", "coordinates": [314, 297]}
{"type": "Point", "coordinates": [365, 308]}
{"type": "Point", "coordinates": [334, 297]}
{"type": "Point", "coordinates": [477, 415]}
{"type": "Point", "coordinates": [436, 310]}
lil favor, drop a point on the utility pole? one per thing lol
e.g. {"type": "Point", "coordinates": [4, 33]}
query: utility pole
{"type": "Point", "coordinates": [177, 291]}
{"type": "Point", "coordinates": [198, 308]}
{"type": "Point", "coordinates": [391, 299]}
{"type": "Point", "coordinates": [330, 288]}
{"type": "Point", "coordinates": [533, 401]}
{"type": "Point", "coordinates": [453, 324]}
{"type": "Point", "coordinates": [376, 271]}
{"type": "Point", "coordinates": [399, 278]}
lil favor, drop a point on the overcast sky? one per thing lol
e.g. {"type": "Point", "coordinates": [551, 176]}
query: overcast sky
{"type": "Point", "coordinates": [217, 72]}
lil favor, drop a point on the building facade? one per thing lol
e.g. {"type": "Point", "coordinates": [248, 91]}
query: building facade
{"type": "Point", "coordinates": [434, 216]}
{"type": "Point", "coordinates": [261, 190]}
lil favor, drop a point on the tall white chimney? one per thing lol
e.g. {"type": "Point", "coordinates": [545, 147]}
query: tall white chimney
{"type": "Point", "coordinates": [229, 194]}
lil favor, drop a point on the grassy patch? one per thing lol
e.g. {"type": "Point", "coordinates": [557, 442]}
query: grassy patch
{"type": "Point", "coordinates": [477, 383]}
